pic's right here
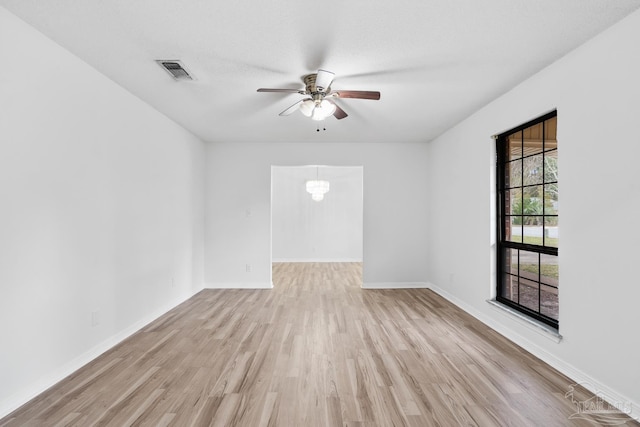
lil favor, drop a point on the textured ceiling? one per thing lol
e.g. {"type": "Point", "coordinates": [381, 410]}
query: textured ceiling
{"type": "Point", "coordinates": [434, 61]}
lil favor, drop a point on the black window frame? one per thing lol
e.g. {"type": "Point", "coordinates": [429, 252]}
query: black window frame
{"type": "Point", "coordinates": [503, 162]}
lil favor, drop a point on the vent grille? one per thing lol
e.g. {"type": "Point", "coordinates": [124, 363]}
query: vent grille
{"type": "Point", "coordinates": [175, 69]}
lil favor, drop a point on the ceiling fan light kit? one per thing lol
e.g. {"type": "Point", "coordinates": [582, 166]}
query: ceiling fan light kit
{"type": "Point", "coordinates": [317, 111]}
{"type": "Point", "coordinates": [320, 104]}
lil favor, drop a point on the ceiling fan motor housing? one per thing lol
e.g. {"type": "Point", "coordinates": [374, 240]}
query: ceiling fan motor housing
{"type": "Point", "coordinates": [312, 89]}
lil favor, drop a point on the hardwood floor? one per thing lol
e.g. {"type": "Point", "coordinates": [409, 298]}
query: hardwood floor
{"type": "Point", "coordinates": [317, 350]}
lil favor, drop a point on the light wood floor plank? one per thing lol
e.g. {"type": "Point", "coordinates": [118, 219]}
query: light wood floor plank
{"type": "Point", "coordinates": [317, 350]}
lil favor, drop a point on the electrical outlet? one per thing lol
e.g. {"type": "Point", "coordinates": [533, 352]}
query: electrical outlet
{"type": "Point", "coordinates": [248, 268]}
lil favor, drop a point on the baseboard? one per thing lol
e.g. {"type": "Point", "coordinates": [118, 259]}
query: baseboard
{"type": "Point", "coordinates": [239, 285]}
{"type": "Point", "coordinates": [18, 399]}
{"type": "Point", "coordinates": [579, 377]}
{"type": "Point", "coordinates": [395, 285]}
{"type": "Point", "coordinates": [316, 260]}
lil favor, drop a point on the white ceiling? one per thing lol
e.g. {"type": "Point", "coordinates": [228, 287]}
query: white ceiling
{"type": "Point", "coordinates": [434, 61]}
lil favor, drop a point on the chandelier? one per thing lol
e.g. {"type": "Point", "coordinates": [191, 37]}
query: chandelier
{"type": "Point", "coordinates": [317, 187]}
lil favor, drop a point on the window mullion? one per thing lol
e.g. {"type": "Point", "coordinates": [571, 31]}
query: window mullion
{"type": "Point", "coordinates": [544, 210]}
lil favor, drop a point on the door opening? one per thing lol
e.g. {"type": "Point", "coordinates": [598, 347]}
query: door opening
{"type": "Point", "coordinates": [313, 228]}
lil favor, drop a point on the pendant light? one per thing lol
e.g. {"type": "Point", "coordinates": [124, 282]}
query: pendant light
{"type": "Point", "coordinates": [317, 187]}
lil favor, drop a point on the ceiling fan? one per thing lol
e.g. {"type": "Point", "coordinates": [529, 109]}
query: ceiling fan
{"type": "Point", "coordinates": [319, 105]}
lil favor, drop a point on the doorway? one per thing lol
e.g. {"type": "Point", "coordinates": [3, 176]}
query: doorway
{"type": "Point", "coordinates": [328, 229]}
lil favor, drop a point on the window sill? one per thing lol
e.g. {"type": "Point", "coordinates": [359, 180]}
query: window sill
{"type": "Point", "coordinates": [535, 325]}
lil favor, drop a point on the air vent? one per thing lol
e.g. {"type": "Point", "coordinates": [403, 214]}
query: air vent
{"type": "Point", "coordinates": [175, 68]}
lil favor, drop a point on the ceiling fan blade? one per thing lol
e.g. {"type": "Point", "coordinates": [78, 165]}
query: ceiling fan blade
{"type": "Point", "coordinates": [388, 72]}
{"type": "Point", "coordinates": [339, 113]}
{"type": "Point", "coordinates": [291, 109]}
{"type": "Point", "coordinates": [324, 79]}
{"type": "Point", "coordinates": [360, 94]}
{"type": "Point", "coordinates": [262, 89]}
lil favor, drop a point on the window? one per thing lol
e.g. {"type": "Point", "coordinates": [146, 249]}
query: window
{"type": "Point", "coordinates": [527, 226]}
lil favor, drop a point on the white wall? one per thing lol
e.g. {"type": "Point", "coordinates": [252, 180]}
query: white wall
{"type": "Point", "coordinates": [238, 219]}
{"type": "Point", "coordinates": [101, 212]}
{"type": "Point", "coordinates": [596, 91]}
{"type": "Point", "coordinates": [304, 230]}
